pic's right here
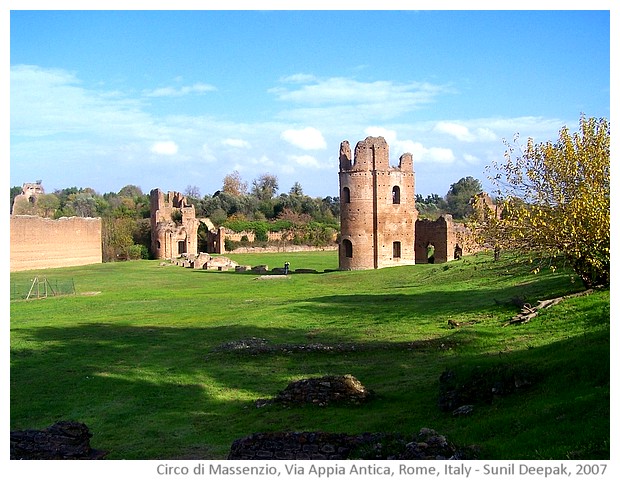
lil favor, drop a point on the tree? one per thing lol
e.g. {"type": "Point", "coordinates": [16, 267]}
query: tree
{"type": "Point", "coordinates": [265, 186]}
{"type": "Point", "coordinates": [47, 204]}
{"type": "Point", "coordinates": [84, 204]}
{"type": "Point", "coordinates": [234, 185]}
{"type": "Point", "coordinates": [330, 206]}
{"type": "Point", "coordinates": [192, 191]}
{"type": "Point", "coordinates": [556, 200]}
{"type": "Point", "coordinates": [14, 192]}
{"type": "Point", "coordinates": [432, 206]}
{"type": "Point", "coordinates": [130, 191]}
{"type": "Point", "coordinates": [296, 190]}
{"type": "Point", "coordinates": [65, 196]}
{"type": "Point", "coordinates": [116, 238]}
{"type": "Point", "coordinates": [459, 196]}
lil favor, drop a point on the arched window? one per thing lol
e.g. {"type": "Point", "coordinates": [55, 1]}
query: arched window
{"type": "Point", "coordinates": [346, 195]}
{"type": "Point", "coordinates": [348, 248]}
{"type": "Point", "coordinates": [396, 195]}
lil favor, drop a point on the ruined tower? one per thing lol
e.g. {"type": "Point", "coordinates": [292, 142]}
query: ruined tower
{"type": "Point", "coordinates": [174, 227]}
{"type": "Point", "coordinates": [377, 207]}
{"type": "Point", "coordinates": [25, 202]}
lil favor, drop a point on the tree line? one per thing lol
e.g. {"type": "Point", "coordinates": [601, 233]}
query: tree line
{"type": "Point", "coordinates": [237, 205]}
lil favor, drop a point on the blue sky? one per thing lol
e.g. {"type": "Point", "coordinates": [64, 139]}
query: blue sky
{"type": "Point", "coordinates": [171, 99]}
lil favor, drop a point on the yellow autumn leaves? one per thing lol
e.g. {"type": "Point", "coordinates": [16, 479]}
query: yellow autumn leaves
{"type": "Point", "coordinates": [556, 200]}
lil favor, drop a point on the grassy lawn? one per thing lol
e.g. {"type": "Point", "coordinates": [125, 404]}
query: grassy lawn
{"type": "Point", "coordinates": [137, 355]}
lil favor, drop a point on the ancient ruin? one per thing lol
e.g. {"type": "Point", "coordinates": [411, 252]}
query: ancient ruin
{"type": "Point", "coordinates": [38, 242]}
{"type": "Point", "coordinates": [65, 440]}
{"type": "Point", "coordinates": [378, 218]}
{"type": "Point", "coordinates": [442, 240]}
{"type": "Point", "coordinates": [379, 225]}
{"type": "Point", "coordinates": [321, 392]}
{"type": "Point", "coordinates": [174, 227]}
{"type": "Point", "coordinates": [377, 207]}
{"type": "Point", "coordinates": [427, 444]}
{"type": "Point", "coordinates": [25, 202]}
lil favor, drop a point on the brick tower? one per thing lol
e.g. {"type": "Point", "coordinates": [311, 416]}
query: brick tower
{"type": "Point", "coordinates": [174, 227]}
{"type": "Point", "coordinates": [377, 207]}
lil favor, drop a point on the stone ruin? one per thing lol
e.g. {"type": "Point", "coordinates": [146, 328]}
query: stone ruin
{"type": "Point", "coordinates": [379, 225]}
{"type": "Point", "coordinates": [426, 445]}
{"type": "Point", "coordinates": [377, 207]}
{"type": "Point", "coordinates": [378, 217]}
{"type": "Point", "coordinates": [318, 445]}
{"type": "Point", "coordinates": [322, 391]}
{"type": "Point", "coordinates": [64, 440]}
{"type": "Point", "coordinates": [442, 240]}
{"type": "Point", "coordinates": [205, 261]}
{"type": "Point", "coordinates": [174, 227]}
{"type": "Point", "coordinates": [460, 392]}
{"type": "Point", "coordinates": [25, 202]}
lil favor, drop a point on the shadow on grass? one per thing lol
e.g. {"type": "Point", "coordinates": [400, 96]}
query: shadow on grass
{"type": "Point", "coordinates": [163, 392]}
{"type": "Point", "coordinates": [160, 392]}
{"type": "Point", "coordinates": [435, 306]}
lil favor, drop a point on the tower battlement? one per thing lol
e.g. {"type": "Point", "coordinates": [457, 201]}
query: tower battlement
{"type": "Point", "coordinates": [372, 153]}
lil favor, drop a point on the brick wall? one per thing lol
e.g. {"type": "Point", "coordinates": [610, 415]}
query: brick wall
{"type": "Point", "coordinates": [38, 242]}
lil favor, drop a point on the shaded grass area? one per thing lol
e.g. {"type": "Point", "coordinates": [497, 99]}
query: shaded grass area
{"type": "Point", "coordinates": [140, 362]}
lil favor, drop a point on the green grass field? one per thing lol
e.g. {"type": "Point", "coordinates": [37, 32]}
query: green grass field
{"type": "Point", "coordinates": [136, 354]}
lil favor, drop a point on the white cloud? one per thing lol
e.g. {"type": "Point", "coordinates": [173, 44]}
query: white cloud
{"type": "Point", "coordinates": [340, 89]}
{"type": "Point", "coordinates": [305, 161]}
{"type": "Point", "coordinates": [467, 134]}
{"type": "Point", "coordinates": [538, 128]}
{"type": "Point", "coordinates": [441, 155]}
{"type": "Point", "coordinates": [408, 146]}
{"type": "Point", "coordinates": [197, 88]}
{"type": "Point", "coordinates": [432, 155]}
{"type": "Point", "coordinates": [471, 159]}
{"type": "Point", "coordinates": [457, 130]}
{"type": "Point", "coordinates": [52, 101]}
{"type": "Point", "coordinates": [263, 160]}
{"type": "Point", "coordinates": [298, 78]}
{"type": "Point", "coordinates": [486, 135]}
{"type": "Point", "coordinates": [236, 143]}
{"type": "Point", "coordinates": [307, 138]}
{"type": "Point", "coordinates": [167, 147]}
{"type": "Point", "coordinates": [349, 100]}
{"type": "Point", "coordinates": [419, 151]}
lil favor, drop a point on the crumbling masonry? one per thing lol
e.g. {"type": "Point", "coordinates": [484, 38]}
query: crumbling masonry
{"type": "Point", "coordinates": [174, 228]}
{"type": "Point", "coordinates": [379, 224]}
{"type": "Point", "coordinates": [377, 207]}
